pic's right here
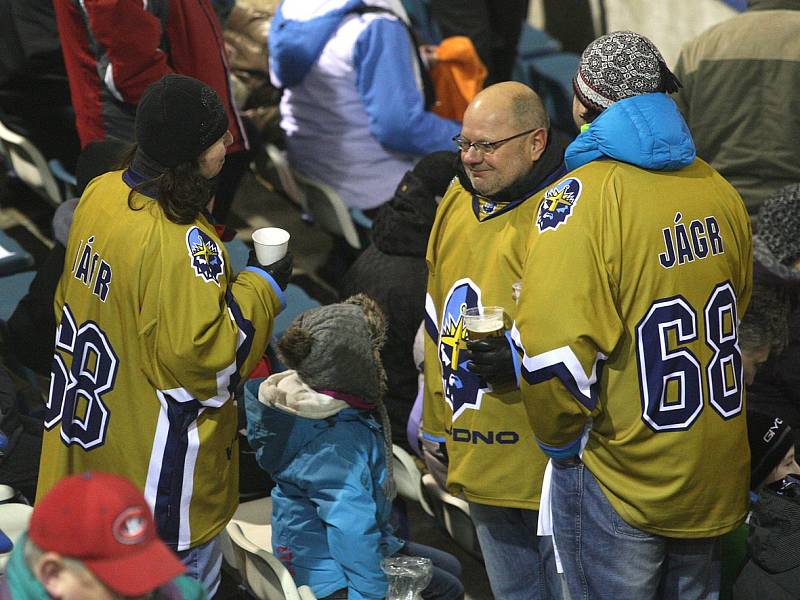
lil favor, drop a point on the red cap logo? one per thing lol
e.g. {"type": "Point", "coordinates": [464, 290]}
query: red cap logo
{"type": "Point", "coordinates": [130, 527]}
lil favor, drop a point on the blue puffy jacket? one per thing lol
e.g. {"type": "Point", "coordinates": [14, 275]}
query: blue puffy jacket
{"type": "Point", "coordinates": [647, 131]}
{"type": "Point", "coordinates": [330, 517]}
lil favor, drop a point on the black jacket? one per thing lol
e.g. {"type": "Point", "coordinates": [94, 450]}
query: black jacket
{"type": "Point", "coordinates": [773, 544]}
{"type": "Point", "coordinates": [392, 270]}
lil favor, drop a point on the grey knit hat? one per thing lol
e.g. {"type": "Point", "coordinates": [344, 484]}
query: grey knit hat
{"type": "Point", "coordinates": [620, 65]}
{"type": "Point", "coordinates": [336, 348]}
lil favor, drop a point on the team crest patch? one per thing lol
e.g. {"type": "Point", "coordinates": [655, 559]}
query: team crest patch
{"type": "Point", "coordinates": [558, 204]}
{"type": "Point", "coordinates": [207, 259]}
{"type": "Point", "coordinates": [462, 388]}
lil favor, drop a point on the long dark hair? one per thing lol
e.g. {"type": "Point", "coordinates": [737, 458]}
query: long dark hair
{"type": "Point", "coordinates": [182, 192]}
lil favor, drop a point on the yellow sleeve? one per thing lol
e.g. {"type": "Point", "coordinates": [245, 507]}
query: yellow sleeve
{"type": "Point", "coordinates": [433, 397]}
{"type": "Point", "coordinates": [567, 325]}
{"type": "Point", "coordinates": [206, 335]}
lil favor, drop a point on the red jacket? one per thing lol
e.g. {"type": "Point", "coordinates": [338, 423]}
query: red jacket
{"type": "Point", "coordinates": [113, 49]}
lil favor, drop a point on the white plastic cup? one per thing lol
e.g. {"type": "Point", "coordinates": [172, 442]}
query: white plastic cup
{"type": "Point", "coordinates": [271, 244]}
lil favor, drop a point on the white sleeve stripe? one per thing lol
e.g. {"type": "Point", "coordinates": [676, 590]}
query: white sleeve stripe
{"type": "Point", "coordinates": [564, 365]}
{"type": "Point", "coordinates": [187, 488]}
{"type": "Point", "coordinates": [431, 321]}
{"type": "Point", "coordinates": [515, 337]}
{"type": "Point", "coordinates": [430, 308]}
{"type": "Point", "coordinates": [157, 454]}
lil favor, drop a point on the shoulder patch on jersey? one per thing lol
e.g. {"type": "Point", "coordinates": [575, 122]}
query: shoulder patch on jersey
{"type": "Point", "coordinates": [558, 202]}
{"type": "Point", "coordinates": [205, 254]}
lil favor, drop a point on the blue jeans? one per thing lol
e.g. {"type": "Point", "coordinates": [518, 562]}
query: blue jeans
{"type": "Point", "coordinates": [519, 563]}
{"type": "Point", "coordinates": [203, 563]}
{"type": "Point", "coordinates": [604, 557]}
{"type": "Point", "coordinates": [445, 584]}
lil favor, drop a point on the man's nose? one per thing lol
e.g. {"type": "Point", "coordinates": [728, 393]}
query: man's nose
{"type": "Point", "coordinates": [471, 156]}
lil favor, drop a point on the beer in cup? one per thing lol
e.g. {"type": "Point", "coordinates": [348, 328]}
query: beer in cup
{"type": "Point", "coordinates": [484, 321]}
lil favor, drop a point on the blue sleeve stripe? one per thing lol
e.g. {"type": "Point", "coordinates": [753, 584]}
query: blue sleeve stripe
{"type": "Point", "coordinates": [561, 452]}
{"type": "Point", "coordinates": [562, 364]}
{"type": "Point", "coordinates": [245, 342]}
{"type": "Point", "coordinates": [514, 356]}
{"type": "Point", "coordinates": [433, 438]}
{"type": "Point", "coordinates": [275, 287]}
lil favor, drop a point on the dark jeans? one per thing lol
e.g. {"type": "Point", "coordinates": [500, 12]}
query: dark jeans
{"type": "Point", "coordinates": [445, 584]}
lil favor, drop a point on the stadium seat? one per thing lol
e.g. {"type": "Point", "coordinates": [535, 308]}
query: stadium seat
{"type": "Point", "coordinates": [247, 547]}
{"type": "Point", "coordinates": [12, 290]}
{"type": "Point", "coordinates": [408, 478]}
{"type": "Point", "coordinates": [238, 252]}
{"type": "Point", "coordinates": [13, 257]}
{"type": "Point", "coordinates": [29, 165]}
{"type": "Point", "coordinates": [542, 65]}
{"type": "Point", "coordinates": [297, 301]}
{"type": "Point", "coordinates": [327, 209]}
{"type": "Point", "coordinates": [14, 519]}
{"type": "Point", "coordinates": [453, 513]}
{"type": "Point", "coordinates": [285, 175]}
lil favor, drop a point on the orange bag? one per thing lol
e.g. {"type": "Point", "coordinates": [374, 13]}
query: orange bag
{"type": "Point", "coordinates": [458, 76]}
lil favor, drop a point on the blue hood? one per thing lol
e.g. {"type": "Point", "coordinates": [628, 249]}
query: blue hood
{"type": "Point", "coordinates": [647, 131]}
{"type": "Point", "coordinates": [294, 46]}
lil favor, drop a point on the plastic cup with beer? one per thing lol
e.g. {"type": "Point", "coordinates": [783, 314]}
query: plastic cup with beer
{"type": "Point", "coordinates": [270, 244]}
{"type": "Point", "coordinates": [484, 321]}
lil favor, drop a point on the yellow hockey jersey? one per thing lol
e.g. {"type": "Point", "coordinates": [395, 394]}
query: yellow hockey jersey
{"type": "Point", "coordinates": [154, 334]}
{"type": "Point", "coordinates": [475, 253]}
{"type": "Point", "coordinates": [633, 287]}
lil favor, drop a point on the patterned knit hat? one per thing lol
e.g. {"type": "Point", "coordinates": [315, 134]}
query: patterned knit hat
{"type": "Point", "coordinates": [779, 224]}
{"type": "Point", "coordinates": [620, 65]}
{"type": "Point", "coordinates": [335, 350]}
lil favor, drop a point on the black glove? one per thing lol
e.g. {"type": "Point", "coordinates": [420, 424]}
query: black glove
{"type": "Point", "coordinates": [491, 359]}
{"type": "Point", "coordinates": [280, 271]}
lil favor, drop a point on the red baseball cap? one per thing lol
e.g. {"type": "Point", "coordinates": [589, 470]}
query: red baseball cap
{"type": "Point", "coordinates": [103, 521]}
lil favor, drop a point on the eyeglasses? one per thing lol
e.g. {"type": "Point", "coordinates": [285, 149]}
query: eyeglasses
{"type": "Point", "coordinates": [464, 144]}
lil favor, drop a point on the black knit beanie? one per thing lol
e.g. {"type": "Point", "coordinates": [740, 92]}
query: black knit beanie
{"type": "Point", "coordinates": [620, 65]}
{"type": "Point", "coordinates": [178, 118]}
{"type": "Point", "coordinates": [770, 439]}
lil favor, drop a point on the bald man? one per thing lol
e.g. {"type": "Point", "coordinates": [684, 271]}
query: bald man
{"type": "Point", "coordinates": [472, 406]}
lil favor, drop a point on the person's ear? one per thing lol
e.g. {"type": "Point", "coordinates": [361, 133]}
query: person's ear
{"type": "Point", "coordinates": [538, 140]}
{"type": "Point", "coordinates": [51, 572]}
